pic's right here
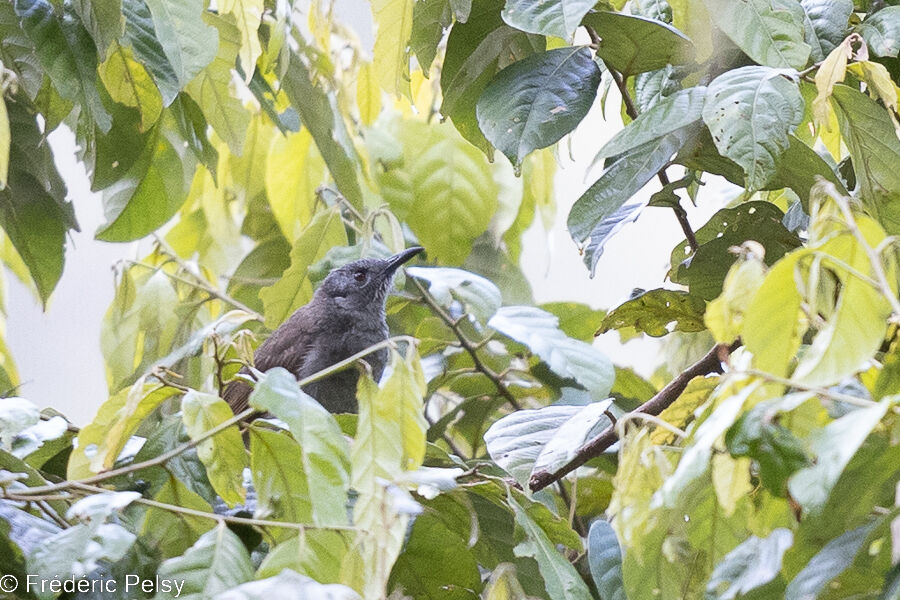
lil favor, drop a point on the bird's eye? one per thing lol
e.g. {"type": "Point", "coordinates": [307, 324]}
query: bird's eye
{"type": "Point", "coordinates": [359, 276]}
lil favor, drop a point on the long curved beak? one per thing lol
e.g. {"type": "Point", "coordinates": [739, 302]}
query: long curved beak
{"type": "Point", "coordinates": [394, 262]}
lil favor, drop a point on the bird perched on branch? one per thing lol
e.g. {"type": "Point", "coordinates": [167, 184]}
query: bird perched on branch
{"type": "Point", "coordinates": [345, 316]}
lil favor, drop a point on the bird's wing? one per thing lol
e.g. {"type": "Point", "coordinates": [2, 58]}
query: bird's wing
{"type": "Point", "coordinates": [287, 347]}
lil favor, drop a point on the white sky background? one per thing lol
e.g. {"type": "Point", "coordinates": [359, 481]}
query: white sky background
{"type": "Point", "coordinates": [58, 351]}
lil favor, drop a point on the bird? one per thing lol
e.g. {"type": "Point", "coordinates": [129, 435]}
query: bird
{"type": "Point", "coordinates": [346, 315]}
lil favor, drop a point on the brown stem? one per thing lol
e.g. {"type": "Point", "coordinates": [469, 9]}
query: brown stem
{"type": "Point", "coordinates": [467, 344]}
{"type": "Point", "coordinates": [710, 363]}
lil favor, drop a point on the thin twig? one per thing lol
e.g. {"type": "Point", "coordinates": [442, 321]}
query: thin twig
{"type": "Point", "coordinates": [819, 391]}
{"type": "Point", "coordinates": [710, 363]}
{"type": "Point", "coordinates": [217, 517]}
{"type": "Point", "coordinates": [466, 343]}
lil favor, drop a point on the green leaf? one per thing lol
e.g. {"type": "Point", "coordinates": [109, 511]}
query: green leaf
{"type": "Point", "coordinates": [825, 25]}
{"type": "Point", "coordinates": [881, 31]}
{"type": "Point", "coordinates": [752, 565]}
{"type": "Point", "coordinates": [150, 193]}
{"type": "Point", "coordinates": [294, 289]}
{"type": "Point", "coordinates": [705, 270]}
{"type": "Point", "coordinates": [536, 101]}
{"type": "Point", "coordinates": [317, 553]}
{"type": "Point", "coordinates": [632, 44]}
{"type": "Point", "coordinates": [799, 167]}
{"type": "Point", "coordinates": [140, 33]}
{"type": "Point", "coordinates": [128, 83]}
{"type": "Point", "coordinates": [247, 17]}
{"type": "Point", "coordinates": [223, 454]}
{"type": "Point", "coordinates": [562, 580]}
{"type": "Point", "coordinates": [67, 54]}
{"type": "Point", "coordinates": [319, 113]}
{"type": "Point", "coordinates": [324, 449]}
{"type": "Point", "coordinates": [750, 111]}
{"type": "Point", "coordinates": [539, 330]}
{"type": "Point", "coordinates": [869, 134]}
{"type": "Point", "coordinates": [831, 561]}
{"type": "Point", "coordinates": [608, 205]}
{"type": "Point", "coordinates": [186, 37]}
{"type": "Point", "coordinates": [478, 296]}
{"type": "Point", "coordinates": [516, 441]}
{"type": "Point", "coordinates": [605, 560]}
{"type": "Point", "coordinates": [299, 586]}
{"type": "Point", "coordinates": [294, 171]}
{"type": "Point", "coordinates": [282, 490]}
{"type": "Point", "coordinates": [262, 266]}
{"type": "Point", "coordinates": [577, 320]}
{"type": "Point", "coordinates": [78, 550]}
{"type": "Point", "coordinates": [18, 52]}
{"type": "Point", "coordinates": [391, 55]}
{"type": "Point", "coordinates": [170, 534]}
{"type": "Point", "coordinates": [768, 31]}
{"type": "Point", "coordinates": [834, 445]}
{"type": "Point", "coordinates": [436, 563]}
{"type": "Point", "coordinates": [100, 442]}
{"type": "Point", "coordinates": [674, 112]}
{"type": "Point", "coordinates": [33, 209]}
{"type": "Point", "coordinates": [102, 18]}
{"type": "Point", "coordinates": [653, 312]}
{"type": "Point", "coordinates": [212, 88]}
{"type": "Point", "coordinates": [558, 18]}
{"type": "Point", "coordinates": [429, 20]}
{"type": "Point", "coordinates": [216, 562]}
{"type": "Point", "coordinates": [444, 189]}
{"type": "Point", "coordinates": [476, 50]}
{"type": "Point", "coordinates": [390, 439]}
{"type": "Point", "coordinates": [757, 434]}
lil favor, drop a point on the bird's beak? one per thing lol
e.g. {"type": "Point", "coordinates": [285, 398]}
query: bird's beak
{"type": "Point", "coordinates": [401, 257]}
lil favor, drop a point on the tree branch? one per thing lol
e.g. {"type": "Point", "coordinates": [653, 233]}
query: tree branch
{"type": "Point", "coordinates": [710, 363]}
{"type": "Point", "coordinates": [467, 344]}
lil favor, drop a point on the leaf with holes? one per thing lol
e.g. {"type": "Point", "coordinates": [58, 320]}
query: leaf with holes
{"type": "Point", "coordinates": [750, 111]}
{"type": "Point", "coordinates": [653, 312]}
{"type": "Point", "coordinates": [534, 102]}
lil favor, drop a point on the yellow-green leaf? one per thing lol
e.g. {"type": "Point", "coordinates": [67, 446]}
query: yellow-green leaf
{"type": "Point", "coordinates": [294, 170]}
{"type": "Point", "coordinates": [100, 443]}
{"type": "Point", "coordinates": [391, 61]}
{"type": "Point", "coordinates": [725, 314]}
{"type": "Point", "coordinates": [294, 289]}
{"type": "Point", "coordinates": [248, 16]}
{"type": "Point", "coordinates": [223, 454]}
{"type": "Point", "coordinates": [212, 88]}
{"type": "Point", "coordinates": [731, 480]}
{"type": "Point", "coordinates": [832, 71]}
{"type": "Point", "coordinates": [368, 94]}
{"type": "Point", "coordinates": [129, 83]}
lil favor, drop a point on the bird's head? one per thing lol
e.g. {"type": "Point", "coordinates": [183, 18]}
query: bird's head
{"type": "Point", "coordinates": [364, 283]}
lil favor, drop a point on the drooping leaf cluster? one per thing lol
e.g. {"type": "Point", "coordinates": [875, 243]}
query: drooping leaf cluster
{"type": "Point", "coordinates": [259, 145]}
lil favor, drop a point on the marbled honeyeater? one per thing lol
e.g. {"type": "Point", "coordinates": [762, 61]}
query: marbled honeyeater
{"type": "Point", "coordinates": [346, 315]}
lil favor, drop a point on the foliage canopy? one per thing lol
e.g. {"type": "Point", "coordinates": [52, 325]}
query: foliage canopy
{"type": "Point", "coordinates": [260, 146]}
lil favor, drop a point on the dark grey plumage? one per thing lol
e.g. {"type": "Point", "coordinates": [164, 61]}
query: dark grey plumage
{"type": "Point", "coordinates": [345, 316]}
